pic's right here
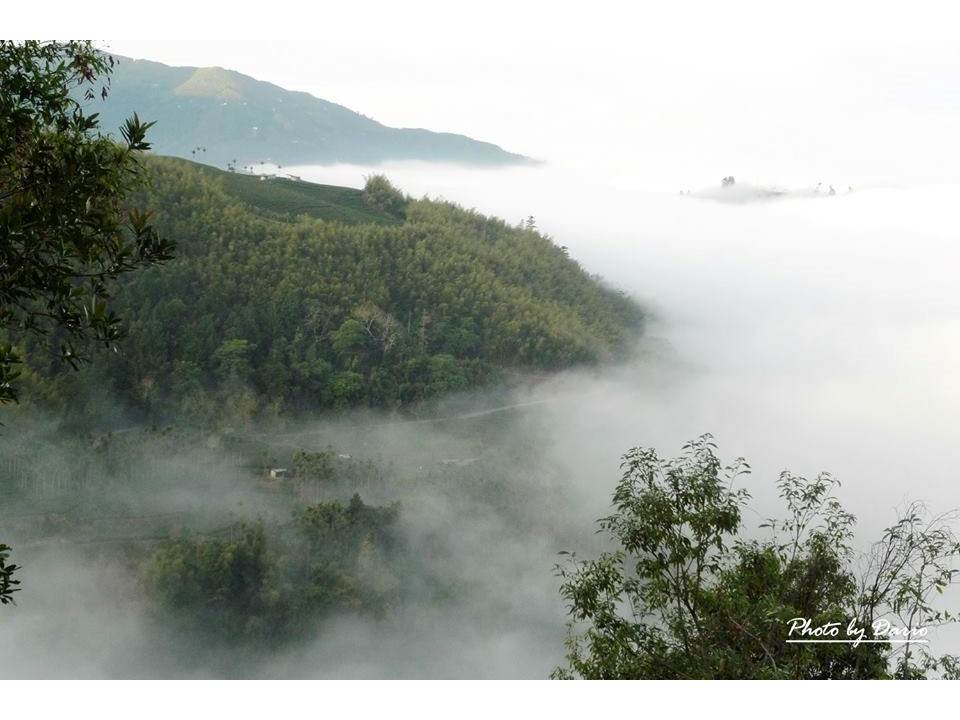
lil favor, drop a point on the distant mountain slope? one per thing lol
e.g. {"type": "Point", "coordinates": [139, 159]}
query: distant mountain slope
{"type": "Point", "coordinates": [237, 118]}
{"type": "Point", "coordinates": [365, 298]}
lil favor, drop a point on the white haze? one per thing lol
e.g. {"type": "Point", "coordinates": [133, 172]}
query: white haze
{"type": "Point", "coordinates": [810, 333]}
{"type": "Point", "coordinates": [663, 95]}
{"type": "Point", "coordinates": [813, 333]}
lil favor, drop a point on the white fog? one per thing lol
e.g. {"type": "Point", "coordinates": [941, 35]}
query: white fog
{"type": "Point", "coordinates": [811, 333]}
{"type": "Point", "coordinates": [798, 331]}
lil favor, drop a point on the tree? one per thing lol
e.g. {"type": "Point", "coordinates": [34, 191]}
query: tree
{"type": "Point", "coordinates": [66, 230]}
{"type": "Point", "coordinates": [685, 595]}
{"type": "Point", "coordinates": [233, 359]}
{"type": "Point", "coordinates": [7, 583]}
{"type": "Point", "coordinates": [217, 586]}
{"type": "Point", "coordinates": [380, 193]}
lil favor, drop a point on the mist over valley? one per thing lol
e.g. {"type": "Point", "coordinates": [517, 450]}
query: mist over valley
{"type": "Point", "coordinates": [399, 404]}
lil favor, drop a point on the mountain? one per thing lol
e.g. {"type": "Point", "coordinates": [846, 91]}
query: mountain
{"type": "Point", "coordinates": [287, 296]}
{"type": "Point", "coordinates": [240, 120]}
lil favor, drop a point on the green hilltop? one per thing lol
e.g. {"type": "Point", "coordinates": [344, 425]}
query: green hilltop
{"type": "Point", "coordinates": [289, 197]}
{"type": "Point", "coordinates": [287, 296]}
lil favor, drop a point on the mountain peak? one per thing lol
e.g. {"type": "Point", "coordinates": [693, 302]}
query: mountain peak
{"type": "Point", "coordinates": [213, 82]}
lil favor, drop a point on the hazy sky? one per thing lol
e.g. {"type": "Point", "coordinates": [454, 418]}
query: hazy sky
{"type": "Point", "coordinates": [677, 93]}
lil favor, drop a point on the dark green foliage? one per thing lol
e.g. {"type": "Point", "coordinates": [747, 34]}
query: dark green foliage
{"type": "Point", "coordinates": [66, 229]}
{"type": "Point", "coordinates": [684, 595]}
{"type": "Point", "coordinates": [332, 315]}
{"type": "Point", "coordinates": [8, 585]}
{"type": "Point", "coordinates": [271, 584]}
{"type": "Point", "coordinates": [379, 193]}
{"type": "Point", "coordinates": [315, 466]}
{"type": "Point", "coordinates": [345, 561]}
{"type": "Point", "coordinates": [221, 586]}
{"type": "Point", "coordinates": [225, 118]}
{"type": "Point", "coordinates": [326, 474]}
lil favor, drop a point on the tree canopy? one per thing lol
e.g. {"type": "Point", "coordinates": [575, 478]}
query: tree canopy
{"type": "Point", "coordinates": [687, 593]}
{"type": "Point", "coordinates": [67, 230]}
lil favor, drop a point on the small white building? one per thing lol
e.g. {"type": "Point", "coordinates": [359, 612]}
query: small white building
{"type": "Point", "coordinates": [278, 473]}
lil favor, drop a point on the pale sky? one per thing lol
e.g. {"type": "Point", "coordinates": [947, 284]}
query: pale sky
{"type": "Point", "coordinates": [679, 92]}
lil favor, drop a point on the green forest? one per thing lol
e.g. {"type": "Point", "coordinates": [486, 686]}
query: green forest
{"type": "Point", "coordinates": [286, 296]}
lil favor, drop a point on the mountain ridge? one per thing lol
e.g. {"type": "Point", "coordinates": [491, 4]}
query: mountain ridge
{"type": "Point", "coordinates": [223, 117]}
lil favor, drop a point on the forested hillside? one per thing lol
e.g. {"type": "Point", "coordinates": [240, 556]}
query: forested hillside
{"type": "Point", "coordinates": [287, 296]}
{"type": "Point", "coordinates": [222, 116]}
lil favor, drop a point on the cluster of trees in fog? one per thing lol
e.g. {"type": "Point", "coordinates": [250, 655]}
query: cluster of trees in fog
{"type": "Point", "coordinates": [260, 584]}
